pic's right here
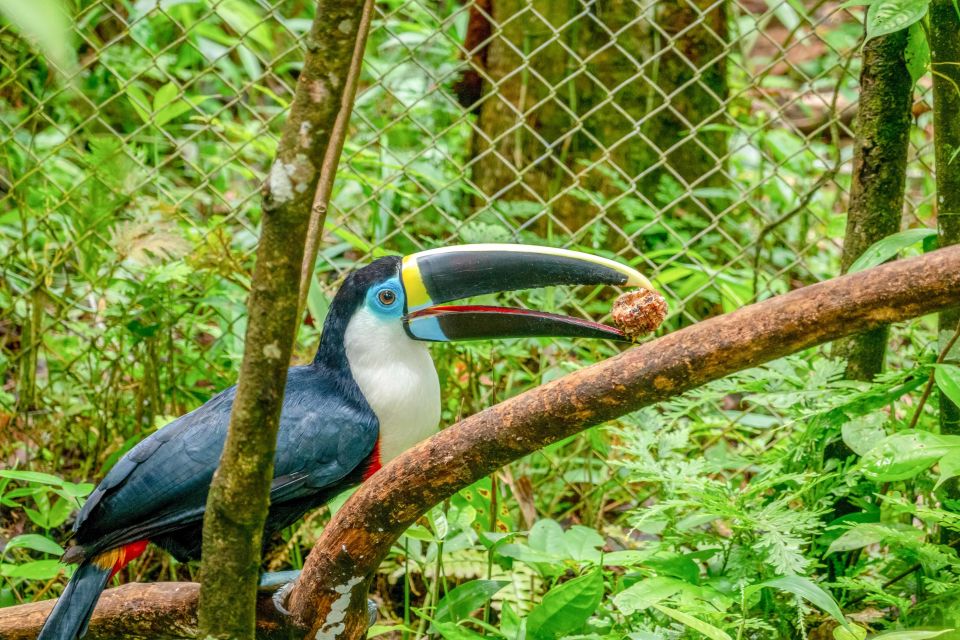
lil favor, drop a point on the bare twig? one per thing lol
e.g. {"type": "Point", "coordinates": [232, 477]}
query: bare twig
{"type": "Point", "coordinates": [328, 170]}
{"type": "Point", "coordinates": [933, 372]}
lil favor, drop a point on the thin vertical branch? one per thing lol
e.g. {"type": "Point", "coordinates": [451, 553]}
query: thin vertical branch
{"type": "Point", "coordinates": [328, 170]}
{"type": "Point", "coordinates": [239, 494]}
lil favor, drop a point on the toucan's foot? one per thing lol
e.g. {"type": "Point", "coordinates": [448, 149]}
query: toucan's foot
{"type": "Point", "coordinates": [281, 582]}
{"type": "Point", "coordinates": [371, 613]}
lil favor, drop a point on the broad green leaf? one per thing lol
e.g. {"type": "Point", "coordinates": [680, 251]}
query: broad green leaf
{"type": "Point", "coordinates": [36, 542]}
{"type": "Point", "coordinates": [853, 632]}
{"type": "Point", "coordinates": [547, 535]}
{"type": "Point", "coordinates": [948, 379]}
{"type": "Point", "coordinates": [171, 111]}
{"type": "Point", "coordinates": [451, 631]}
{"type": "Point", "coordinates": [78, 490]}
{"type": "Point", "coordinates": [469, 596]}
{"type": "Point", "coordinates": [566, 607]}
{"type": "Point", "coordinates": [917, 53]}
{"type": "Point", "coordinates": [647, 593]}
{"type": "Point", "coordinates": [804, 588]}
{"type": "Point", "coordinates": [864, 432]}
{"type": "Point", "coordinates": [59, 512]}
{"type": "Point", "coordinates": [857, 537]}
{"type": "Point", "coordinates": [903, 455]}
{"type": "Point", "coordinates": [138, 100]}
{"type": "Point", "coordinates": [36, 570]}
{"type": "Point", "coordinates": [165, 95]}
{"type": "Point", "coordinates": [45, 22]}
{"type": "Point", "coordinates": [31, 476]}
{"type": "Point", "coordinates": [511, 624]}
{"type": "Point", "coordinates": [881, 251]}
{"type": "Point", "coordinates": [583, 543]}
{"type": "Point", "coordinates": [949, 467]}
{"type": "Point", "coordinates": [694, 623]}
{"type": "Point", "coordinates": [888, 16]}
{"type": "Point", "coordinates": [627, 557]}
{"type": "Point", "coordinates": [910, 634]}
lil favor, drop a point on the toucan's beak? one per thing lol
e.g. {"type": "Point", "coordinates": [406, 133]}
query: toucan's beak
{"type": "Point", "coordinates": [437, 276]}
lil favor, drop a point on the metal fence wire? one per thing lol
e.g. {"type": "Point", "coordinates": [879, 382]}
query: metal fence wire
{"type": "Point", "coordinates": [707, 142]}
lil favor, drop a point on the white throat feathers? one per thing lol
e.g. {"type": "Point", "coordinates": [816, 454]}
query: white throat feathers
{"type": "Point", "coordinates": [398, 379]}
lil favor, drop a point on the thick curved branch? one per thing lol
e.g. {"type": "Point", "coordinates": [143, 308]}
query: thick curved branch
{"type": "Point", "coordinates": [338, 570]}
{"type": "Point", "coordinates": [330, 595]}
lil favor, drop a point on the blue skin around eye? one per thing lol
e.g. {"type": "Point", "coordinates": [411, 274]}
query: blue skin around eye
{"type": "Point", "coordinates": [394, 310]}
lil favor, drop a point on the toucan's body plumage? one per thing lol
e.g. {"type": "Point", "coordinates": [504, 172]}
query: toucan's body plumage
{"type": "Point", "coordinates": [370, 393]}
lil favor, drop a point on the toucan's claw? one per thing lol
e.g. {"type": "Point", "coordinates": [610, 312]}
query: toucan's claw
{"type": "Point", "coordinates": [280, 598]}
{"type": "Point", "coordinates": [281, 583]}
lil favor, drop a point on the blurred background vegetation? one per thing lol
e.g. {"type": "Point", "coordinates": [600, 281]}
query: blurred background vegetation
{"type": "Point", "coordinates": [709, 144]}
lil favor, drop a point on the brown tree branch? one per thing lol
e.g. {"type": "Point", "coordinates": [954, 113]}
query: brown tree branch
{"type": "Point", "coordinates": [330, 595]}
{"type": "Point", "coordinates": [157, 610]}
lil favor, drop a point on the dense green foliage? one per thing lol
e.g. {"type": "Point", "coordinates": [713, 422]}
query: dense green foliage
{"type": "Point", "coordinates": [783, 502]}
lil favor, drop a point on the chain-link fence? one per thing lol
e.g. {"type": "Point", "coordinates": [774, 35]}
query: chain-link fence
{"type": "Point", "coordinates": [707, 142]}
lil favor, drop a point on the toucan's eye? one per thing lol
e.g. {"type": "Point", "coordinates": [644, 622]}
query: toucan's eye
{"type": "Point", "coordinates": [387, 297]}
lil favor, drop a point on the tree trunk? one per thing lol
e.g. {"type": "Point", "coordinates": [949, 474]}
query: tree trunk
{"type": "Point", "coordinates": [239, 494]}
{"type": "Point", "coordinates": [944, 37]}
{"type": "Point", "coordinates": [602, 97]}
{"type": "Point", "coordinates": [879, 176]}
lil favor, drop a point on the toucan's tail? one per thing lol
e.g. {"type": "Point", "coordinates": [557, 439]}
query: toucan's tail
{"type": "Point", "coordinates": [69, 618]}
{"type": "Point", "coordinates": [71, 614]}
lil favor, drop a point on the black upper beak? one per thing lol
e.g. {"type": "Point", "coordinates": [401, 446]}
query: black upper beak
{"type": "Point", "coordinates": [443, 275]}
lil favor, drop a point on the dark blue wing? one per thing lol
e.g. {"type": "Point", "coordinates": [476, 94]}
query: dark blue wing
{"type": "Point", "coordinates": [161, 484]}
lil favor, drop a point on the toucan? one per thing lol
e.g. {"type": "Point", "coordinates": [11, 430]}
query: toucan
{"type": "Point", "coordinates": [370, 393]}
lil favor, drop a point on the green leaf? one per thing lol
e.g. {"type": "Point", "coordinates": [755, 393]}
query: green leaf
{"type": "Point", "coordinates": [566, 607]}
{"type": "Point", "coordinates": [903, 455]}
{"type": "Point", "coordinates": [138, 100]}
{"type": "Point", "coordinates": [948, 379]}
{"type": "Point", "coordinates": [857, 537]}
{"type": "Point", "coordinates": [646, 593]}
{"type": "Point", "coordinates": [31, 476]}
{"type": "Point", "coordinates": [888, 16]}
{"type": "Point", "coordinates": [36, 542]}
{"type": "Point", "coordinates": [863, 433]}
{"type": "Point", "coordinates": [171, 111]}
{"type": "Point", "coordinates": [949, 467]}
{"type": "Point", "coordinates": [804, 588]}
{"type": "Point", "coordinates": [911, 634]}
{"type": "Point", "coordinates": [466, 598]}
{"type": "Point", "coordinates": [36, 570]}
{"type": "Point", "coordinates": [882, 250]}
{"type": "Point", "coordinates": [917, 53]}
{"type": "Point", "coordinates": [165, 95]}
{"type": "Point", "coordinates": [59, 513]}
{"type": "Point", "coordinates": [45, 22]}
{"type": "Point", "coordinates": [853, 632]}
{"type": "Point", "coordinates": [451, 631]}
{"type": "Point", "coordinates": [694, 623]}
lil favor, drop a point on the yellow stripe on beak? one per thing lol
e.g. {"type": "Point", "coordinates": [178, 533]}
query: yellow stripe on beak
{"type": "Point", "coordinates": [413, 287]}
